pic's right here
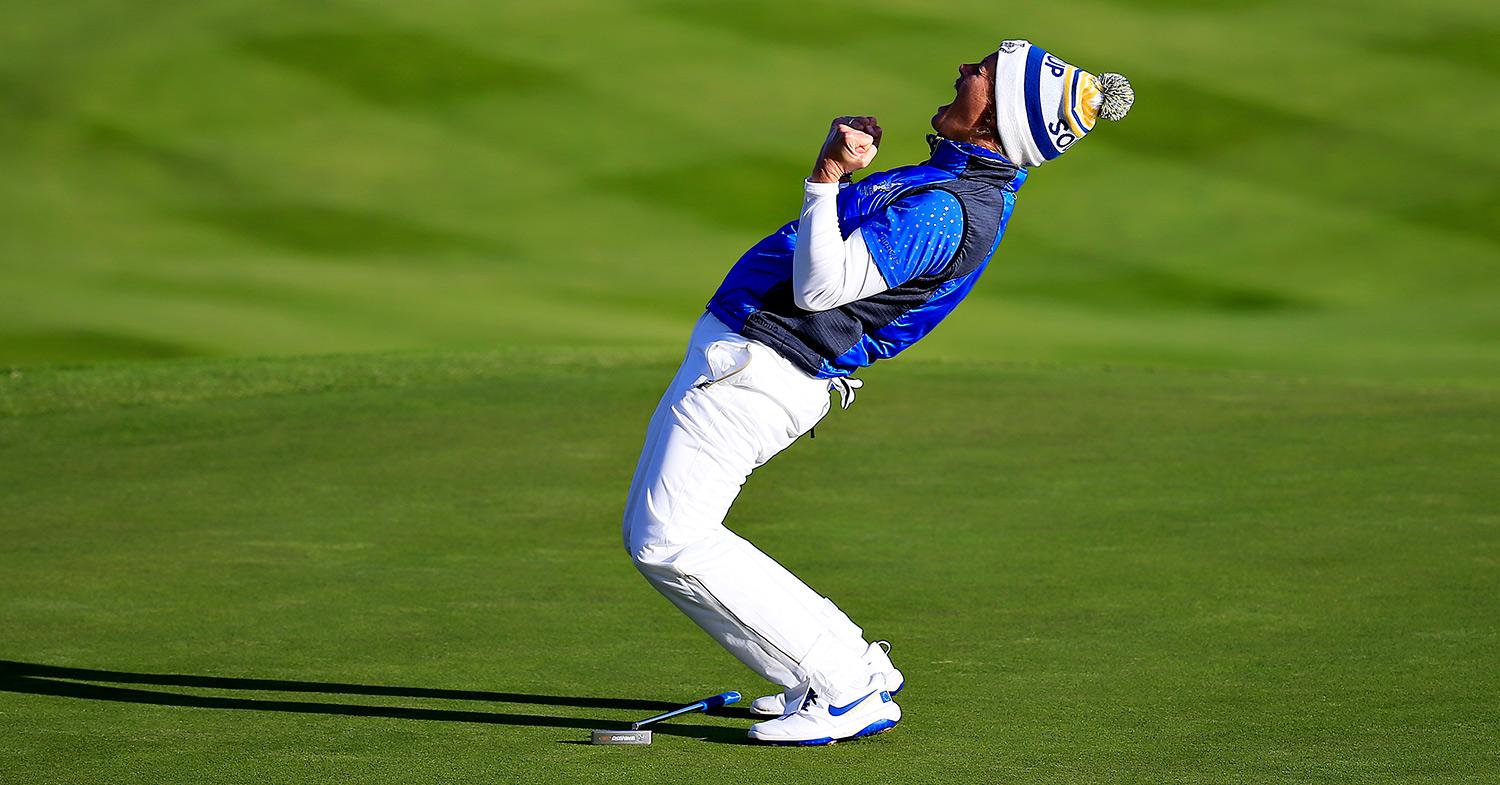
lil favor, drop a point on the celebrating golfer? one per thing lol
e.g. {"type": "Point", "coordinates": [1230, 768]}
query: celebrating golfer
{"type": "Point", "coordinates": [864, 272]}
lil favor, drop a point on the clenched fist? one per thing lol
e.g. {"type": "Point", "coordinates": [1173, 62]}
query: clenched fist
{"type": "Point", "coordinates": [851, 145]}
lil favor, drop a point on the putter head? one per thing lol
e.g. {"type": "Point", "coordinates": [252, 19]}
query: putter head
{"type": "Point", "coordinates": [620, 737]}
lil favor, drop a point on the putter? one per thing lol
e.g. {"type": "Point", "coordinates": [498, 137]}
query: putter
{"type": "Point", "coordinates": [637, 736]}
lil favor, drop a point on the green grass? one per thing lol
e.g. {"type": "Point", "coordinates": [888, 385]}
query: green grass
{"type": "Point", "coordinates": [1090, 575]}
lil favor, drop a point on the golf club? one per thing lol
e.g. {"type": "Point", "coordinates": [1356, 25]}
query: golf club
{"type": "Point", "coordinates": [634, 735]}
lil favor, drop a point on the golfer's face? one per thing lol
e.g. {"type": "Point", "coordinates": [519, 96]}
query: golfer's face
{"type": "Point", "coordinates": [973, 96]}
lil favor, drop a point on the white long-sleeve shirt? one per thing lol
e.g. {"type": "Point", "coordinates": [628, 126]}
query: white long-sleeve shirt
{"type": "Point", "coordinates": [829, 270]}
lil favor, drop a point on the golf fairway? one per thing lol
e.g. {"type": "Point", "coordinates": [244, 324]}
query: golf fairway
{"type": "Point", "coordinates": [406, 568]}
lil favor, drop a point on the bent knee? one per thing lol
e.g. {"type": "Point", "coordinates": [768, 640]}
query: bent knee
{"type": "Point", "coordinates": [635, 548]}
{"type": "Point", "coordinates": [654, 558]}
{"type": "Point", "coordinates": [646, 556]}
{"type": "Point", "coordinates": [659, 550]}
{"type": "Point", "coordinates": [645, 542]}
{"type": "Point", "coordinates": [641, 551]}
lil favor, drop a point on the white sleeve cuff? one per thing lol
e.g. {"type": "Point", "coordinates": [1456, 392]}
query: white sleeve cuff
{"type": "Point", "coordinates": [821, 189]}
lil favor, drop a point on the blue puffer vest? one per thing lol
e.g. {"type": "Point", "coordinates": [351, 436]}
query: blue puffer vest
{"type": "Point", "coordinates": [756, 297]}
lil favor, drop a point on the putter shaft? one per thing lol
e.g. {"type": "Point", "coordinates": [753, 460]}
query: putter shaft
{"type": "Point", "coordinates": [706, 704]}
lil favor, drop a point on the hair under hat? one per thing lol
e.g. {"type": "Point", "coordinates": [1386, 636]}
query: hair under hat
{"type": "Point", "coordinates": [1043, 105]}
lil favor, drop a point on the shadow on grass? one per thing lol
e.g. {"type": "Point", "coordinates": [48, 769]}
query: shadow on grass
{"type": "Point", "coordinates": [36, 679]}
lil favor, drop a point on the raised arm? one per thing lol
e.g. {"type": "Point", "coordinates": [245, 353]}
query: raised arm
{"type": "Point", "coordinates": [828, 269]}
{"type": "Point", "coordinates": [916, 235]}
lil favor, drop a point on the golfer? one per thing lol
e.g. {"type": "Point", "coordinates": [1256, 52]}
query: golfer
{"type": "Point", "coordinates": [866, 270]}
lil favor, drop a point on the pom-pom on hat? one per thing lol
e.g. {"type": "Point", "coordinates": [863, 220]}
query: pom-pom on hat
{"type": "Point", "coordinates": [1043, 105]}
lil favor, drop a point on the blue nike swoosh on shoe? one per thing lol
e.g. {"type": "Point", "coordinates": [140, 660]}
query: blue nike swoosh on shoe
{"type": "Point", "coordinates": [839, 711]}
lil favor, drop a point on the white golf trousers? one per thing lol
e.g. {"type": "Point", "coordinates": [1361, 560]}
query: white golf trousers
{"type": "Point", "coordinates": [733, 405]}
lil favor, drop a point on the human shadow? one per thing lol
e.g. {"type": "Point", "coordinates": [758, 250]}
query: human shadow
{"type": "Point", "coordinates": [57, 681]}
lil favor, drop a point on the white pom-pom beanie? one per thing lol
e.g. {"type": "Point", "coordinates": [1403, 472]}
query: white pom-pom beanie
{"type": "Point", "coordinates": [1044, 105]}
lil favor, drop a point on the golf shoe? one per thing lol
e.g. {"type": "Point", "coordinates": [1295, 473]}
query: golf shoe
{"type": "Point", "coordinates": [783, 703]}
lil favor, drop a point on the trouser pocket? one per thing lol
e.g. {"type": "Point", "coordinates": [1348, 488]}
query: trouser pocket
{"type": "Point", "coordinates": [723, 360]}
{"type": "Point", "coordinates": [803, 398]}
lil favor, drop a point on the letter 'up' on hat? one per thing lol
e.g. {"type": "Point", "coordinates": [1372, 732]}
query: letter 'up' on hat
{"type": "Point", "coordinates": [1044, 105]}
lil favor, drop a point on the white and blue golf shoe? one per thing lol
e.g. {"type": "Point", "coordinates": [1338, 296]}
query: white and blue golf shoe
{"type": "Point", "coordinates": [878, 657]}
{"type": "Point", "coordinates": [819, 720]}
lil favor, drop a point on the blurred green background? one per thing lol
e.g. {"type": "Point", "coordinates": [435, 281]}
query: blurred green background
{"type": "Point", "coordinates": [1302, 187]}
